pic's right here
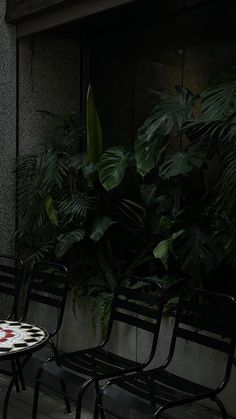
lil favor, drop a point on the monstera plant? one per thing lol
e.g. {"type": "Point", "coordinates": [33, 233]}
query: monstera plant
{"type": "Point", "coordinates": [185, 162]}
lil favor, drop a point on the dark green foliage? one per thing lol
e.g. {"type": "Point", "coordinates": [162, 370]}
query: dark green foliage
{"type": "Point", "coordinates": [172, 197]}
{"type": "Point", "coordinates": [65, 214]}
{"type": "Point", "coordinates": [189, 194]}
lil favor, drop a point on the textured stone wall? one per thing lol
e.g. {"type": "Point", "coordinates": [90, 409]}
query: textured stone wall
{"type": "Point", "coordinates": [7, 131]}
{"type": "Point", "coordinates": [48, 81]}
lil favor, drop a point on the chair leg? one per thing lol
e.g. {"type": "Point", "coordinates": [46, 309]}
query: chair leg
{"type": "Point", "coordinates": [66, 399]}
{"type": "Point", "coordinates": [96, 412]}
{"type": "Point", "coordinates": [221, 407]}
{"type": "Point", "coordinates": [98, 395]}
{"type": "Point", "coordinates": [80, 397]}
{"type": "Point", "coordinates": [78, 408]}
{"type": "Point", "coordinates": [96, 409]}
{"type": "Point", "coordinates": [63, 384]}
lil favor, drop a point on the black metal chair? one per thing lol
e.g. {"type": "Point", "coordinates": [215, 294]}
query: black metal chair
{"type": "Point", "coordinates": [136, 308]}
{"type": "Point", "coordinates": [11, 271]}
{"type": "Point", "coordinates": [157, 390]}
{"type": "Point", "coordinates": [48, 287]}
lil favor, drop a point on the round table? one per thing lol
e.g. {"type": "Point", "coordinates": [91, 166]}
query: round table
{"type": "Point", "coordinates": [18, 340]}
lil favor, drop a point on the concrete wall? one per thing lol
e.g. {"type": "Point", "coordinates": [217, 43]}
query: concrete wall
{"type": "Point", "coordinates": [7, 131]}
{"type": "Point", "coordinates": [49, 81]}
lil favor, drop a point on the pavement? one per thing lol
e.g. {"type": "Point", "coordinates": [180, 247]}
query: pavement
{"type": "Point", "coordinates": [20, 405]}
{"type": "Point", "coordinates": [50, 407]}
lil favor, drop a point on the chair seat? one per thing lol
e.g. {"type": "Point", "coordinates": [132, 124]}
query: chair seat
{"type": "Point", "coordinates": [156, 387]}
{"type": "Point", "coordinates": [94, 362]}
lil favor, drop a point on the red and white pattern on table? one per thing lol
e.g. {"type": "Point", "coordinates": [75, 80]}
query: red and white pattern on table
{"type": "Point", "coordinates": [15, 336]}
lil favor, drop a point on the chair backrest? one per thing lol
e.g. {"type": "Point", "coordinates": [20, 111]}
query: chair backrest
{"type": "Point", "coordinates": [48, 287]}
{"type": "Point", "coordinates": [138, 302]}
{"type": "Point", "coordinates": [11, 271]}
{"type": "Point", "coordinates": [208, 319]}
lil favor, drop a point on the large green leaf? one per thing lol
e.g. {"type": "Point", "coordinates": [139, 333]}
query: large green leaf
{"type": "Point", "coordinates": [99, 228]}
{"type": "Point", "coordinates": [50, 210]}
{"type": "Point", "coordinates": [112, 167]}
{"type": "Point", "coordinates": [164, 248]}
{"type": "Point", "coordinates": [169, 111]}
{"type": "Point", "coordinates": [197, 251]}
{"type": "Point", "coordinates": [94, 130]}
{"type": "Point", "coordinates": [67, 240]}
{"type": "Point", "coordinates": [162, 251]}
{"type": "Point", "coordinates": [153, 135]}
{"type": "Point", "coordinates": [158, 124]}
{"type": "Point", "coordinates": [219, 99]}
{"type": "Point", "coordinates": [148, 153]}
{"type": "Point", "coordinates": [181, 163]}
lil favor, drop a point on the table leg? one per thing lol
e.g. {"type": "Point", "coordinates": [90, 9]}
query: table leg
{"type": "Point", "coordinates": [15, 377]}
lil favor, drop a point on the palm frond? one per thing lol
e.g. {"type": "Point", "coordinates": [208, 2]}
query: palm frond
{"type": "Point", "coordinates": [208, 132]}
{"type": "Point", "coordinates": [53, 170]}
{"type": "Point", "coordinates": [62, 132]}
{"type": "Point", "coordinates": [227, 182]}
{"type": "Point", "coordinates": [219, 99]}
{"type": "Point", "coordinates": [182, 163]}
{"type": "Point", "coordinates": [131, 214]}
{"type": "Point", "coordinates": [29, 192]}
{"type": "Point", "coordinates": [78, 206]}
{"type": "Point", "coordinates": [75, 163]}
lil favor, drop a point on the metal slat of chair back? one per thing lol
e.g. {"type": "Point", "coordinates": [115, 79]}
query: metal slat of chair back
{"type": "Point", "coordinates": [208, 323]}
{"type": "Point", "coordinates": [48, 286]}
{"type": "Point", "coordinates": [138, 302]}
{"type": "Point", "coordinates": [139, 307]}
{"type": "Point", "coordinates": [49, 283]}
{"type": "Point", "coordinates": [11, 271]}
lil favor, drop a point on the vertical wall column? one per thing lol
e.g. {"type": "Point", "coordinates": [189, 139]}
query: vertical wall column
{"type": "Point", "coordinates": [7, 131]}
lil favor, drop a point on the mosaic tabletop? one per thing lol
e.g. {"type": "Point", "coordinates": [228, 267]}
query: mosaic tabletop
{"type": "Point", "coordinates": [17, 337]}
